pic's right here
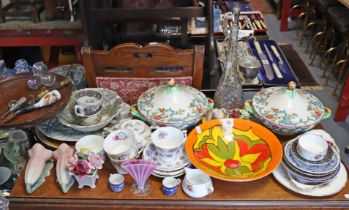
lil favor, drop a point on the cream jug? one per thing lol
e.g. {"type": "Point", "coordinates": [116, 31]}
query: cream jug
{"type": "Point", "coordinates": [196, 183]}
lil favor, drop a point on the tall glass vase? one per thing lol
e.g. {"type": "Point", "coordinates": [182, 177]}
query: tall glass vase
{"type": "Point", "coordinates": [228, 94]}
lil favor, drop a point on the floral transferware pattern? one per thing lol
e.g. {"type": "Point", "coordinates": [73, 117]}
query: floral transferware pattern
{"type": "Point", "coordinates": [288, 117]}
{"type": "Point", "coordinates": [194, 106]}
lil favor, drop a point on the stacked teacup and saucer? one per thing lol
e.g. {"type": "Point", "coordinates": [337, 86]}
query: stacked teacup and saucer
{"type": "Point", "coordinates": [166, 149]}
{"type": "Point", "coordinates": [312, 166]}
{"type": "Point", "coordinates": [88, 106]}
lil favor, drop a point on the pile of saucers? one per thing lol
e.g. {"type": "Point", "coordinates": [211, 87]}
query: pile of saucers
{"type": "Point", "coordinates": [166, 169]}
{"type": "Point", "coordinates": [167, 151]}
{"type": "Point", "coordinates": [310, 161]}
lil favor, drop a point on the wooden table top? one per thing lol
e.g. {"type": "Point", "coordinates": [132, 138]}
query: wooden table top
{"type": "Point", "coordinates": [344, 2]}
{"type": "Point", "coordinates": [263, 193]}
{"type": "Point", "coordinates": [16, 87]}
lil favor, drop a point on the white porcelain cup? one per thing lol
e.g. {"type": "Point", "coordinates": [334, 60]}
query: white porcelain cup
{"type": "Point", "coordinates": [168, 141]}
{"type": "Point", "coordinates": [88, 102]}
{"type": "Point", "coordinates": [90, 143]}
{"type": "Point", "coordinates": [120, 145]}
{"type": "Point", "coordinates": [312, 147]}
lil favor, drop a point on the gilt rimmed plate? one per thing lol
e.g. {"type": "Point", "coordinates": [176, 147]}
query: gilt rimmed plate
{"type": "Point", "coordinates": [333, 187]}
{"type": "Point", "coordinates": [150, 153]}
{"type": "Point", "coordinates": [234, 149]}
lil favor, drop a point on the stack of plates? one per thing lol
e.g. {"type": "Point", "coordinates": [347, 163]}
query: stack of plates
{"type": "Point", "coordinates": [310, 177]}
{"type": "Point", "coordinates": [173, 169]}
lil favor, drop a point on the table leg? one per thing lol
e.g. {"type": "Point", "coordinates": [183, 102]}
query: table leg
{"type": "Point", "coordinates": [286, 4]}
{"type": "Point", "coordinates": [54, 57]}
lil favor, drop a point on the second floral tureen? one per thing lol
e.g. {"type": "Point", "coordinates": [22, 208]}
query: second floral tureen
{"type": "Point", "coordinates": [287, 110]}
{"type": "Point", "coordinates": [173, 105]}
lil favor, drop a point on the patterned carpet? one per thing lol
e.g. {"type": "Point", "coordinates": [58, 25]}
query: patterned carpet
{"type": "Point", "coordinates": [262, 5]}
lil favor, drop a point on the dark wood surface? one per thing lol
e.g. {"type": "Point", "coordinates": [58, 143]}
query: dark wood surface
{"type": "Point", "coordinates": [16, 87]}
{"type": "Point", "coordinates": [265, 193]}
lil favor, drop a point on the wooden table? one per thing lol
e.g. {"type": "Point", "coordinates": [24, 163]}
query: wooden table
{"type": "Point", "coordinates": [265, 193]}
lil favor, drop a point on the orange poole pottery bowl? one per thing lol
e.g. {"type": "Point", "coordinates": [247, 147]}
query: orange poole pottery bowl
{"type": "Point", "coordinates": [234, 149]}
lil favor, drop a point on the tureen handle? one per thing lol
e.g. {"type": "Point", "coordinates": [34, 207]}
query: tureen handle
{"type": "Point", "coordinates": [327, 113]}
{"type": "Point", "coordinates": [136, 113]}
{"type": "Point", "coordinates": [291, 89]}
{"type": "Point", "coordinates": [248, 106]}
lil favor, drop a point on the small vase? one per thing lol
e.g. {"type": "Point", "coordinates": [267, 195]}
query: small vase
{"type": "Point", "coordinates": [88, 180]}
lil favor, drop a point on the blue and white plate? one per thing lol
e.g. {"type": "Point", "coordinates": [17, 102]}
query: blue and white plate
{"type": "Point", "coordinates": [321, 167]}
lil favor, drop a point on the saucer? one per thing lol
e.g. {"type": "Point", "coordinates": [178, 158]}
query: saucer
{"type": "Point", "coordinates": [141, 131]}
{"type": "Point", "coordinates": [150, 153]}
{"type": "Point", "coordinates": [113, 106]}
{"type": "Point", "coordinates": [325, 166]}
{"type": "Point", "coordinates": [333, 187]}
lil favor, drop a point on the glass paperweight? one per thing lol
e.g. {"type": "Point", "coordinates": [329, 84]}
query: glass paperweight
{"type": "Point", "coordinates": [39, 69]}
{"type": "Point", "coordinates": [140, 171]}
{"type": "Point", "coordinates": [48, 79]}
{"type": "Point", "coordinates": [33, 82]}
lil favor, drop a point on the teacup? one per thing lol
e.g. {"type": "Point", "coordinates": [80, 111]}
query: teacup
{"type": "Point", "coordinates": [88, 102]}
{"type": "Point", "coordinates": [90, 143]}
{"type": "Point", "coordinates": [170, 185]}
{"type": "Point", "coordinates": [168, 141]}
{"type": "Point", "coordinates": [312, 147]}
{"type": "Point", "coordinates": [116, 182]}
{"type": "Point", "coordinates": [92, 119]}
{"type": "Point", "coordinates": [117, 163]}
{"type": "Point", "coordinates": [120, 145]}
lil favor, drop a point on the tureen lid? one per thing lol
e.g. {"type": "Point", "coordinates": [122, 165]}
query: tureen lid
{"type": "Point", "coordinates": [288, 106]}
{"type": "Point", "coordinates": [172, 103]}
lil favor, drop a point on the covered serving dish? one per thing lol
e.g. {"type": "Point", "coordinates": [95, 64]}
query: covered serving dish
{"type": "Point", "coordinates": [287, 110]}
{"type": "Point", "coordinates": [173, 105]}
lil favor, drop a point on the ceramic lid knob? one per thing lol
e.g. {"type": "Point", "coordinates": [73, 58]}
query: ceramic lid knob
{"type": "Point", "coordinates": [171, 82]}
{"type": "Point", "coordinates": [291, 85]}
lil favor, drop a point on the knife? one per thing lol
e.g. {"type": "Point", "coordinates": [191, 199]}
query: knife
{"type": "Point", "coordinates": [277, 55]}
{"type": "Point", "coordinates": [275, 67]}
{"type": "Point", "coordinates": [266, 65]}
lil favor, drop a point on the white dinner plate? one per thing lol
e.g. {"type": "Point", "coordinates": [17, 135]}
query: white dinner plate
{"type": "Point", "coordinates": [335, 186]}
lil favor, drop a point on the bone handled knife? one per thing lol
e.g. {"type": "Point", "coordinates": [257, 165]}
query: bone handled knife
{"type": "Point", "coordinates": [275, 67]}
{"type": "Point", "coordinates": [277, 55]}
{"type": "Point", "coordinates": [268, 72]}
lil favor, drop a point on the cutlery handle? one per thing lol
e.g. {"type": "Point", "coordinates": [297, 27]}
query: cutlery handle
{"type": "Point", "coordinates": [258, 47]}
{"type": "Point", "coordinates": [277, 71]}
{"type": "Point", "coordinates": [275, 51]}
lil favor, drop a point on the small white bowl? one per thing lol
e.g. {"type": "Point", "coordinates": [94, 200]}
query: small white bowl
{"type": "Point", "coordinates": [312, 147]}
{"type": "Point", "coordinates": [90, 143]}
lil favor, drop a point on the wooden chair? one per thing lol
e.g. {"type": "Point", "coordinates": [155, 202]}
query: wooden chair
{"type": "Point", "coordinates": [130, 68]}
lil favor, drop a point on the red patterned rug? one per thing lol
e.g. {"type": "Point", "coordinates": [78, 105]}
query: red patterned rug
{"type": "Point", "coordinates": [262, 5]}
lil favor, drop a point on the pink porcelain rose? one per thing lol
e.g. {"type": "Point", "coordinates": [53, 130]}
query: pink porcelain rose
{"type": "Point", "coordinates": [95, 160]}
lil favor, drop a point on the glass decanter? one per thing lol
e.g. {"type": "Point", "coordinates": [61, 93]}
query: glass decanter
{"type": "Point", "coordinates": [229, 90]}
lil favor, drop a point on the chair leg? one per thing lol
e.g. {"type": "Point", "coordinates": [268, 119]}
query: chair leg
{"type": "Point", "coordinates": [316, 45]}
{"type": "Point", "coordinates": [342, 64]}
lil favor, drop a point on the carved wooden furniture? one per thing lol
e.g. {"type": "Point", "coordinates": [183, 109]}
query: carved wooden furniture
{"type": "Point", "coordinates": [152, 61]}
{"type": "Point", "coordinates": [50, 33]}
{"type": "Point", "coordinates": [100, 24]}
{"type": "Point", "coordinates": [29, 9]}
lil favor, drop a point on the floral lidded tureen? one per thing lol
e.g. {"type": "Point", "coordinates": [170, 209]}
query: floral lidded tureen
{"type": "Point", "coordinates": [173, 105]}
{"type": "Point", "coordinates": [287, 110]}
